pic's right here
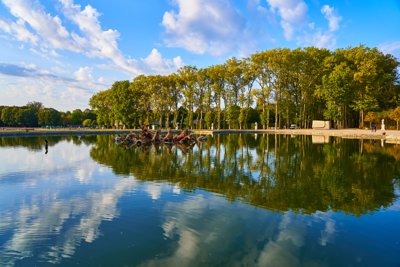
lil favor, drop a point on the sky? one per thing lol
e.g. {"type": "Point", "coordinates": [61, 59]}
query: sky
{"type": "Point", "coordinates": [61, 52]}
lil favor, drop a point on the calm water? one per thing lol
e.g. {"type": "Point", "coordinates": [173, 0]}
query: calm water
{"type": "Point", "coordinates": [235, 200]}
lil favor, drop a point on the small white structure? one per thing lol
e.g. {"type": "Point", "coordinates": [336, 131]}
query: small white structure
{"type": "Point", "coordinates": [255, 126]}
{"type": "Point", "coordinates": [212, 126]}
{"type": "Point", "coordinates": [321, 125]}
{"type": "Point", "coordinates": [320, 139]}
{"type": "Point", "coordinates": [383, 128]}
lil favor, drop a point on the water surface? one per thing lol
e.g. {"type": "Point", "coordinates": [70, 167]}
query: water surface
{"type": "Point", "coordinates": [235, 200]}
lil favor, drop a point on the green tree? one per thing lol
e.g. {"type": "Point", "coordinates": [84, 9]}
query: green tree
{"type": "Point", "coordinates": [7, 116]}
{"type": "Point", "coordinates": [87, 123]}
{"type": "Point", "coordinates": [309, 72]}
{"type": "Point", "coordinates": [371, 117]}
{"type": "Point", "coordinates": [188, 76]}
{"type": "Point", "coordinates": [264, 75]}
{"type": "Point", "coordinates": [336, 89]}
{"type": "Point", "coordinates": [77, 117]}
{"type": "Point", "coordinates": [33, 111]}
{"type": "Point", "coordinates": [395, 115]}
{"type": "Point", "coordinates": [216, 74]}
{"type": "Point", "coordinates": [101, 103]}
{"type": "Point", "coordinates": [123, 103]}
{"type": "Point", "coordinates": [234, 81]}
{"type": "Point", "coordinates": [1, 109]}
{"type": "Point", "coordinates": [49, 116]}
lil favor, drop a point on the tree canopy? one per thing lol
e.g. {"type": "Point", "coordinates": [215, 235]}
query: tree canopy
{"type": "Point", "coordinates": [34, 114]}
{"type": "Point", "coordinates": [283, 86]}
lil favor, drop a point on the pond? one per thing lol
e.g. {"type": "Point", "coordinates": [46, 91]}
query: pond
{"type": "Point", "coordinates": [234, 200]}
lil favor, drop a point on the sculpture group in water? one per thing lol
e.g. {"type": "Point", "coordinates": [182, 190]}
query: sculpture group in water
{"type": "Point", "coordinates": [147, 136]}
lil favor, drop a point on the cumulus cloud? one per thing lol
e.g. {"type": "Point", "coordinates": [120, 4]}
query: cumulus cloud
{"type": "Point", "coordinates": [84, 74]}
{"type": "Point", "coordinates": [95, 41]}
{"type": "Point", "coordinates": [30, 83]}
{"type": "Point", "coordinates": [49, 28]}
{"type": "Point", "coordinates": [204, 26]}
{"type": "Point", "coordinates": [47, 35]}
{"type": "Point", "coordinates": [158, 64]}
{"type": "Point", "coordinates": [292, 13]}
{"type": "Point", "coordinates": [295, 24]}
{"type": "Point", "coordinates": [46, 31]}
{"type": "Point", "coordinates": [333, 19]}
{"type": "Point", "coordinates": [326, 38]}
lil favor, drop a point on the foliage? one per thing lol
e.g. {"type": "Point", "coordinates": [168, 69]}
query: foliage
{"type": "Point", "coordinates": [395, 115]}
{"type": "Point", "coordinates": [35, 114]}
{"type": "Point", "coordinates": [294, 86]}
{"type": "Point", "coordinates": [275, 172]}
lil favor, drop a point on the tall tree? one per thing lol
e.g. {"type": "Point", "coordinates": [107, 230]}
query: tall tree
{"type": "Point", "coordinates": [101, 103]}
{"type": "Point", "coordinates": [188, 75]}
{"type": "Point", "coordinates": [216, 74]}
{"type": "Point", "coordinates": [234, 77]}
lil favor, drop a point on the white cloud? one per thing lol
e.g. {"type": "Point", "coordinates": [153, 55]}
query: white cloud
{"type": "Point", "coordinates": [293, 14]}
{"type": "Point", "coordinates": [160, 65]}
{"type": "Point", "coordinates": [319, 37]}
{"type": "Point", "coordinates": [204, 26]}
{"type": "Point", "coordinates": [18, 30]}
{"type": "Point", "coordinates": [293, 20]}
{"type": "Point", "coordinates": [46, 35]}
{"type": "Point", "coordinates": [72, 218]}
{"type": "Point", "coordinates": [390, 47]}
{"type": "Point", "coordinates": [49, 28]}
{"type": "Point", "coordinates": [84, 74]}
{"type": "Point", "coordinates": [49, 35]}
{"type": "Point", "coordinates": [327, 38]}
{"type": "Point", "coordinates": [95, 41]}
{"type": "Point", "coordinates": [154, 190]}
{"type": "Point", "coordinates": [333, 19]}
{"type": "Point", "coordinates": [26, 83]}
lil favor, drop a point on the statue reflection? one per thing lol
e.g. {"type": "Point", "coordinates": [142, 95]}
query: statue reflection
{"type": "Point", "coordinates": [46, 146]}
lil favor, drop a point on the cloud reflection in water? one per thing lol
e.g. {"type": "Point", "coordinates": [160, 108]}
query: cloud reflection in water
{"type": "Point", "coordinates": [51, 218]}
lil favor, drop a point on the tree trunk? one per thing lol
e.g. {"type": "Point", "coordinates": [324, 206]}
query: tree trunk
{"type": "Point", "coordinates": [362, 118]}
{"type": "Point", "coordinates": [287, 116]}
{"type": "Point", "coordinates": [167, 120]}
{"type": "Point", "coordinates": [201, 119]}
{"type": "Point", "coordinates": [267, 114]}
{"type": "Point", "coordinates": [176, 117]}
{"type": "Point", "coordinates": [276, 115]}
{"type": "Point", "coordinates": [219, 113]}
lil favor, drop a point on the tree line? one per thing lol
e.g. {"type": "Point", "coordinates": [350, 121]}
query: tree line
{"type": "Point", "coordinates": [274, 88]}
{"type": "Point", "coordinates": [34, 114]}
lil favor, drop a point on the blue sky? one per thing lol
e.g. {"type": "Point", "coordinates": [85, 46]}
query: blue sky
{"type": "Point", "coordinates": [60, 52]}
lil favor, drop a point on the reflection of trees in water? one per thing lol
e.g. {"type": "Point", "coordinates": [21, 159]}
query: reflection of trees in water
{"type": "Point", "coordinates": [36, 143]}
{"type": "Point", "coordinates": [275, 171]}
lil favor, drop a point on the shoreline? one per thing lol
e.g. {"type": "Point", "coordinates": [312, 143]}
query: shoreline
{"type": "Point", "coordinates": [388, 136]}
